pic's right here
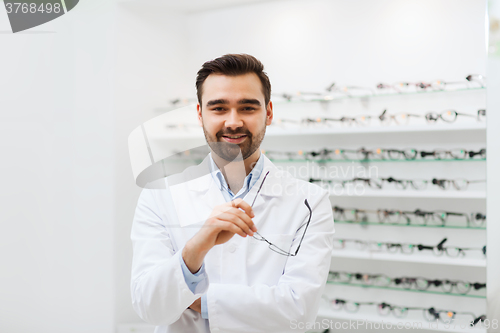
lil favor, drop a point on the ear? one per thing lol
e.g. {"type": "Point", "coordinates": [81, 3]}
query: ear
{"type": "Point", "coordinates": [198, 111]}
{"type": "Point", "coordinates": [269, 113]}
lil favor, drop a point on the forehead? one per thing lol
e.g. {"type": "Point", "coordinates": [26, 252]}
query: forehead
{"type": "Point", "coordinates": [232, 88]}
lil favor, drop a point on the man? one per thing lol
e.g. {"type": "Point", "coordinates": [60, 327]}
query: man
{"type": "Point", "coordinates": [232, 244]}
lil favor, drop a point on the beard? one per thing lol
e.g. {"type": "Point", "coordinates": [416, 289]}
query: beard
{"type": "Point", "coordinates": [230, 151]}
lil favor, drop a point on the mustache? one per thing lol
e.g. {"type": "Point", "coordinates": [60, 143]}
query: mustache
{"type": "Point", "coordinates": [235, 133]}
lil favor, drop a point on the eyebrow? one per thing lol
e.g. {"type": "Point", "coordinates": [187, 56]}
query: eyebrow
{"type": "Point", "coordinates": [241, 101]}
{"type": "Point", "coordinates": [249, 101]}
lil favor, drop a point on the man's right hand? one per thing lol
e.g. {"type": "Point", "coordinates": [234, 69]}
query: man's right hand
{"type": "Point", "coordinates": [225, 220]}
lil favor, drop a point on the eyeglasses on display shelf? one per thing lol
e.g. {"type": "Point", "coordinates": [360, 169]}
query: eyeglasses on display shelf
{"type": "Point", "coordinates": [350, 90]}
{"type": "Point", "coordinates": [342, 304]}
{"type": "Point", "coordinates": [471, 81]}
{"type": "Point", "coordinates": [334, 90]}
{"type": "Point", "coordinates": [450, 116]}
{"type": "Point", "coordinates": [441, 154]}
{"type": "Point", "coordinates": [458, 184]}
{"type": "Point", "coordinates": [430, 314]}
{"type": "Point", "coordinates": [406, 248]}
{"type": "Point", "coordinates": [417, 217]}
{"type": "Point", "coordinates": [400, 184]}
{"type": "Point", "coordinates": [398, 118]}
{"type": "Point", "coordinates": [447, 316]}
{"type": "Point", "coordinates": [384, 309]}
{"type": "Point", "coordinates": [384, 118]}
{"type": "Point", "coordinates": [362, 278]}
{"type": "Point", "coordinates": [377, 154]}
{"type": "Point", "coordinates": [418, 283]}
{"type": "Point", "coordinates": [481, 153]}
{"type": "Point", "coordinates": [361, 120]}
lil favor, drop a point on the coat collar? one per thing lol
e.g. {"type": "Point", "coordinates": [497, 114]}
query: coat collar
{"type": "Point", "coordinates": [207, 187]}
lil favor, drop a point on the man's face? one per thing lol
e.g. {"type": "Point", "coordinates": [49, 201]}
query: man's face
{"type": "Point", "coordinates": [234, 106]}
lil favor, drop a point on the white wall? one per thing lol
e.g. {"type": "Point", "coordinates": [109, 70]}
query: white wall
{"type": "Point", "coordinates": [56, 138]}
{"type": "Point", "coordinates": [306, 45]}
{"type": "Point", "coordinates": [149, 71]}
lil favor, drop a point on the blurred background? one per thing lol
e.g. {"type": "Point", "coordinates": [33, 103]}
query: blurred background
{"type": "Point", "coordinates": [73, 89]}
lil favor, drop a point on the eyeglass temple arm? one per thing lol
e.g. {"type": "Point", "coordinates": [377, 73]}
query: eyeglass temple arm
{"type": "Point", "coordinates": [440, 245]}
{"type": "Point", "coordinates": [260, 187]}
{"type": "Point", "coordinates": [382, 115]}
{"type": "Point", "coordinates": [466, 114]}
{"type": "Point", "coordinates": [424, 247]}
{"type": "Point", "coordinates": [479, 285]}
{"type": "Point", "coordinates": [307, 225]}
{"type": "Point", "coordinates": [478, 319]}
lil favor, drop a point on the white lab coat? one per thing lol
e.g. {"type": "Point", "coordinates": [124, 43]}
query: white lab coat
{"type": "Point", "coordinates": [251, 288]}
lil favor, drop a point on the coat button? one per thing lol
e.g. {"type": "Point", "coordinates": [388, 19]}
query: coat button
{"type": "Point", "coordinates": [232, 247]}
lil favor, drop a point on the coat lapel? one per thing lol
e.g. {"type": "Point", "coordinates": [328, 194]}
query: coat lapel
{"type": "Point", "coordinates": [272, 186]}
{"type": "Point", "coordinates": [207, 195]}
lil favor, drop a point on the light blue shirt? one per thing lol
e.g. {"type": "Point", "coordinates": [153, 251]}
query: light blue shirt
{"type": "Point", "coordinates": [200, 279]}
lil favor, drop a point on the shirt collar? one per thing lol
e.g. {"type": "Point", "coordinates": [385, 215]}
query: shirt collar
{"type": "Point", "coordinates": [249, 181]}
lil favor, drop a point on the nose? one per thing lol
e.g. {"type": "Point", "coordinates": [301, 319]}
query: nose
{"type": "Point", "coordinates": [234, 120]}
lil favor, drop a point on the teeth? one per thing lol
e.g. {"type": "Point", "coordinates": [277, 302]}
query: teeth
{"type": "Point", "coordinates": [235, 137]}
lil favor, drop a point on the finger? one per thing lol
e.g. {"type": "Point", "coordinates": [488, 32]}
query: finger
{"type": "Point", "coordinates": [240, 203]}
{"type": "Point", "coordinates": [237, 221]}
{"type": "Point", "coordinates": [244, 216]}
{"type": "Point", "coordinates": [231, 227]}
{"type": "Point", "coordinates": [225, 225]}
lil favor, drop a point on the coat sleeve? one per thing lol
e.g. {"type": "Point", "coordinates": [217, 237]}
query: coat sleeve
{"type": "Point", "coordinates": [159, 291]}
{"type": "Point", "coordinates": [294, 300]}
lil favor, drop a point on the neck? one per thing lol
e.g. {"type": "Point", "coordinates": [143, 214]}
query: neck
{"type": "Point", "coordinates": [235, 171]}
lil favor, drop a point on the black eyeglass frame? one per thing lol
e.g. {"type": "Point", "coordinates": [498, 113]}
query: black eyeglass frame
{"type": "Point", "coordinates": [271, 245]}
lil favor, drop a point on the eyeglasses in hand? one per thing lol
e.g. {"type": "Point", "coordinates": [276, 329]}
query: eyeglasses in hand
{"type": "Point", "coordinates": [272, 246]}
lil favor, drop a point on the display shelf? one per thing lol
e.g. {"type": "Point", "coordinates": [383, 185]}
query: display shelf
{"type": "Point", "coordinates": [414, 258]}
{"type": "Point", "coordinates": [378, 95]}
{"type": "Point", "coordinates": [375, 318]}
{"type": "Point", "coordinates": [449, 194]}
{"type": "Point", "coordinates": [406, 290]}
{"type": "Point", "coordinates": [275, 130]}
{"type": "Point", "coordinates": [409, 225]}
{"type": "Point", "coordinates": [332, 161]}
{"type": "Point", "coordinates": [278, 100]}
{"type": "Point", "coordinates": [278, 131]}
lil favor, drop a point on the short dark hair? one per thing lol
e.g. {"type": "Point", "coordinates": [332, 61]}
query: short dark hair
{"type": "Point", "coordinates": [232, 65]}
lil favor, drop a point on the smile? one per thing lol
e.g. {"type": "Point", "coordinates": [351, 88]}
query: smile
{"type": "Point", "coordinates": [235, 138]}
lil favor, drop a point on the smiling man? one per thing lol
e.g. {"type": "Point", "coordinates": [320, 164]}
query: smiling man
{"type": "Point", "coordinates": [219, 251]}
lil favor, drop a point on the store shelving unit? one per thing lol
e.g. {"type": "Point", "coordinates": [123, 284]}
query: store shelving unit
{"type": "Point", "coordinates": [450, 194]}
{"type": "Point", "coordinates": [370, 316]}
{"type": "Point", "coordinates": [432, 292]}
{"type": "Point", "coordinates": [378, 224]}
{"type": "Point", "coordinates": [413, 258]}
{"type": "Point", "coordinates": [415, 135]}
{"type": "Point", "coordinates": [369, 129]}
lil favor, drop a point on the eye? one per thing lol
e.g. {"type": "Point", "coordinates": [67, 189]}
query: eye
{"type": "Point", "coordinates": [249, 108]}
{"type": "Point", "coordinates": [218, 108]}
